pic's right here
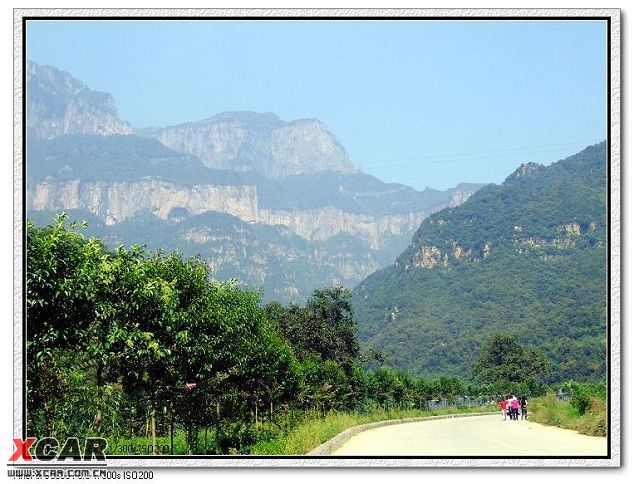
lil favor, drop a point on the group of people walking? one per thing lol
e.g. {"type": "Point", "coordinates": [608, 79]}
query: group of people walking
{"type": "Point", "coordinates": [511, 406]}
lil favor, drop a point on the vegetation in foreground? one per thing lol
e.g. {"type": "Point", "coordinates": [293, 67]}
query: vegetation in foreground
{"type": "Point", "coordinates": [146, 350]}
{"type": "Point", "coordinates": [315, 429]}
{"type": "Point", "coordinates": [584, 412]}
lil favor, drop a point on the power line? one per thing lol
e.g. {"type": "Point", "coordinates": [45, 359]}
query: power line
{"type": "Point", "coordinates": [493, 153]}
{"type": "Point", "coordinates": [457, 160]}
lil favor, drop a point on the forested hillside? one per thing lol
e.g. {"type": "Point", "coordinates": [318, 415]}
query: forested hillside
{"type": "Point", "coordinates": [526, 257]}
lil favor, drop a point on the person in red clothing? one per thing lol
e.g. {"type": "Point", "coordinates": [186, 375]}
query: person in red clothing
{"type": "Point", "coordinates": [503, 407]}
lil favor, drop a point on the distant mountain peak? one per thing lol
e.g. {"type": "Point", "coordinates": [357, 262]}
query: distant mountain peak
{"type": "Point", "coordinates": [247, 141]}
{"type": "Point", "coordinates": [525, 169]}
{"type": "Point", "coordinates": [59, 104]}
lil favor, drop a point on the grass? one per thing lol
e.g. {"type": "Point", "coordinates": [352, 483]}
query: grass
{"type": "Point", "coordinates": [301, 436]}
{"type": "Point", "coordinates": [315, 429]}
{"type": "Point", "coordinates": [549, 410]}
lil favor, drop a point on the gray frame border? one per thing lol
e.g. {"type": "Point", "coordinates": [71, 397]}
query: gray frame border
{"type": "Point", "coordinates": [615, 228]}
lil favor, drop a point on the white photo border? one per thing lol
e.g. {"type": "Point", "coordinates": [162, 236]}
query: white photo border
{"type": "Point", "coordinates": [613, 16]}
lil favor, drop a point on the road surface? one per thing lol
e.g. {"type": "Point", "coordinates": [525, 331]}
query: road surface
{"type": "Point", "coordinates": [486, 435]}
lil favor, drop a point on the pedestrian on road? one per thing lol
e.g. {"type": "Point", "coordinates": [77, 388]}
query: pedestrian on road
{"type": "Point", "coordinates": [509, 412]}
{"type": "Point", "coordinates": [515, 405]}
{"type": "Point", "coordinates": [523, 406]}
{"type": "Point", "coordinates": [503, 408]}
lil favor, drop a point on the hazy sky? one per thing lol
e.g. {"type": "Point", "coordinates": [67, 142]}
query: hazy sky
{"type": "Point", "coordinates": [426, 103]}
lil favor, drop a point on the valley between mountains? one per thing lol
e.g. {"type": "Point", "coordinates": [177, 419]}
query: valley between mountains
{"type": "Point", "coordinates": [279, 206]}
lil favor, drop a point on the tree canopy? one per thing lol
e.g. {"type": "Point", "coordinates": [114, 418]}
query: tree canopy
{"type": "Point", "coordinates": [504, 358]}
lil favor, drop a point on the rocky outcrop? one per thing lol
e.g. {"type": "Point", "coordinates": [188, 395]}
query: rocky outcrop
{"type": "Point", "coordinates": [58, 104]}
{"type": "Point", "coordinates": [461, 195]}
{"type": "Point", "coordinates": [245, 141]}
{"type": "Point", "coordinates": [571, 228]}
{"type": "Point", "coordinates": [524, 170]}
{"type": "Point", "coordinates": [429, 257]}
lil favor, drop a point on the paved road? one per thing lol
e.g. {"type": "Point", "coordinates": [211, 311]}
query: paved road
{"type": "Point", "coordinates": [486, 435]}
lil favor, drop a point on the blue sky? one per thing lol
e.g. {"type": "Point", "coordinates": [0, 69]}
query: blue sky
{"type": "Point", "coordinates": [426, 103]}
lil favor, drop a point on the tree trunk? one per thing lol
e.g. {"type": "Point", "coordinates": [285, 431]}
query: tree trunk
{"type": "Point", "coordinates": [47, 421]}
{"type": "Point", "coordinates": [100, 396]}
{"type": "Point", "coordinates": [153, 431]}
{"type": "Point", "coordinates": [172, 428]}
{"type": "Point", "coordinates": [100, 374]}
{"type": "Point", "coordinates": [218, 427]}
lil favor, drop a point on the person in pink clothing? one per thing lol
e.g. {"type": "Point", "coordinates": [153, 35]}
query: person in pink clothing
{"type": "Point", "coordinates": [515, 405]}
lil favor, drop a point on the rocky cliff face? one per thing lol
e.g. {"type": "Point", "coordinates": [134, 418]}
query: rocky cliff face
{"type": "Point", "coordinates": [326, 222]}
{"type": "Point", "coordinates": [524, 170]}
{"type": "Point", "coordinates": [259, 142]}
{"type": "Point", "coordinates": [59, 104]}
{"type": "Point", "coordinates": [114, 202]}
{"type": "Point", "coordinates": [284, 266]}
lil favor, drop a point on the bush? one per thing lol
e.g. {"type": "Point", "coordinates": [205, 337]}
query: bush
{"type": "Point", "coordinates": [580, 400]}
{"type": "Point", "coordinates": [582, 393]}
{"type": "Point", "coordinates": [549, 410]}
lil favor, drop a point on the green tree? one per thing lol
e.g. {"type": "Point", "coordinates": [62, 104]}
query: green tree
{"type": "Point", "coordinates": [504, 358]}
{"type": "Point", "coordinates": [325, 327]}
{"type": "Point", "coordinates": [60, 306]}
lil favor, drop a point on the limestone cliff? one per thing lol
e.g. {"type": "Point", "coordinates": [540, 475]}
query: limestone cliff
{"type": "Point", "coordinates": [114, 202]}
{"type": "Point", "coordinates": [326, 222]}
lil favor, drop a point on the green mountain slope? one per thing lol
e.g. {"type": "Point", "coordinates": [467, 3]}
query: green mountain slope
{"type": "Point", "coordinates": [526, 257]}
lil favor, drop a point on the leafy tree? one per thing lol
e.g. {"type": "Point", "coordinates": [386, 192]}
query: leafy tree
{"type": "Point", "coordinates": [325, 385]}
{"type": "Point", "coordinates": [132, 339]}
{"type": "Point", "coordinates": [423, 392]}
{"type": "Point", "coordinates": [60, 292]}
{"type": "Point", "coordinates": [448, 388]}
{"type": "Point", "coordinates": [504, 358]}
{"type": "Point", "coordinates": [333, 306]}
{"type": "Point", "coordinates": [325, 327]}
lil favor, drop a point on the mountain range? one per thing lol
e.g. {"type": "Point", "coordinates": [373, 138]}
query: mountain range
{"type": "Point", "coordinates": [275, 204]}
